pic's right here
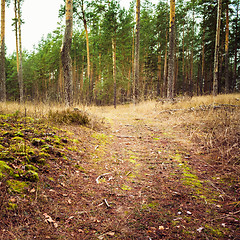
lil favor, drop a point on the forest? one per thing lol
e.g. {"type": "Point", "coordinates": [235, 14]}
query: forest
{"type": "Point", "coordinates": [103, 47]}
{"type": "Point", "coordinates": [122, 123]}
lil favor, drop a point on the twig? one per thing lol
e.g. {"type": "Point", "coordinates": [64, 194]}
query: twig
{"type": "Point", "coordinates": [105, 201]}
{"type": "Point", "coordinates": [99, 177]}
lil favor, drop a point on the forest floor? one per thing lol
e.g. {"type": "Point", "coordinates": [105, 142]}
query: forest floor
{"type": "Point", "coordinates": [155, 171]}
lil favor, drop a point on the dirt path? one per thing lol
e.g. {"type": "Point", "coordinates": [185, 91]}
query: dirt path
{"type": "Point", "coordinates": [141, 183]}
{"type": "Point", "coordinates": [138, 179]}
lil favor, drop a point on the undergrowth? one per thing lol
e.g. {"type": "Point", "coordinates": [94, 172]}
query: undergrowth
{"type": "Point", "coordinates": [69, 117]}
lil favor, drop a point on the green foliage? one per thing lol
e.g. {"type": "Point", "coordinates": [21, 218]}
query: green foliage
{"type": "Point", "coordinates": [43, 79]}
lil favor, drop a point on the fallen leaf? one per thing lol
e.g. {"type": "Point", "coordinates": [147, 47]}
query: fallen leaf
{"type": "Point", "coordinates": [161, 227]}
{"type": "Point", "coordinates": [110, 233]}
{"type": "Point", "coordinates": [200, 229]}
{"type": "Point", "coordinates": [189, 213]}
{"type": "Point", "coordinates": [33, 190]}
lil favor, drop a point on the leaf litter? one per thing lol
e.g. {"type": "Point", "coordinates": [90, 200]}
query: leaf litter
{"type": "Point", "coordinates": [137, 181]}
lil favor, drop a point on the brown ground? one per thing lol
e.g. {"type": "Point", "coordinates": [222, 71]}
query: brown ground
{"type": "Point", "coordinates": [139, 178]}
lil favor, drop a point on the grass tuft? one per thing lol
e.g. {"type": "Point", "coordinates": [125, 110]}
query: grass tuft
{"type": "Point", "coordinates": [69, 117]}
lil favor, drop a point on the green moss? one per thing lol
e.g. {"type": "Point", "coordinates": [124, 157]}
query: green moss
{"type": "Point", "coordinates": [41, 161]}
{"type": "Point", "coordinates": [16, 186]}
{"type": "Point", "coordinates": [37, 142]}
{"type": "Point", "coordinates": [150, 205]}
{"type": "Point", "coordinates": [4, 168]}
{"type": "Point", "coordinates": [103, 138]}
{"type": "Point", "coordinates": [18, 139]}
{"type": "Point", "coordinates": [44, 155]}
{"type": "Point", "coordinates": [80, 168]}
{"type": "Point", "coordinates": [213, 231]}
{"type": "Point", "coordinates": [19, 134]}
{"type": "Point", "coordinates": [125, 187]}
{"type": "Point", "coordinates": [51, 179]}
{"type": "Point", "coordinates": [31, 167]}
{"type": "Point", "coordinates": [12, 206]}
{"type": "Point", "coordinates": [31, 176]}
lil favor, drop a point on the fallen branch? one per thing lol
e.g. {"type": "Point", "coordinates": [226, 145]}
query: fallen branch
{"type": "Point", "coordinates": [101, 176]}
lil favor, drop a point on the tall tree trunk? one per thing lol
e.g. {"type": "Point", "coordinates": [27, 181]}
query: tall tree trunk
{"type": "Point", "coordinates": [165, 72]}
{"type": "Point", "coordinates": [114, 69]}
{"type": "Point", "coordinates": [88, 51]}
{"type": "Point", "coordinates": [65, 54]}
{"type": "Point", "coordinates": [176, 71]}
{"type": "Point", "coordinates": [235, 52]}
{"type": "Point", "coordinates": [170, 90]}
{"type": "Point", "coordinates": [183, 62]}
{"type": "Point", "coordinates": [159, 73]}
{"type": "Point", "coordinates": [132, 73]}
{"type": "Point", "coordinates": [216, 54]}
{"type": "Point", "coordinates": [192, 49]}
{"type": "Point", "coordinates": [137, 53]}
{"type": "Point", "coordinates": [202, 81]}
{"type": "Point", "coordinates": [20, 71]}
{"type": "Point", "coordinates": [2, 53]}
{"type": "Point", "coordinates": [227, 51]}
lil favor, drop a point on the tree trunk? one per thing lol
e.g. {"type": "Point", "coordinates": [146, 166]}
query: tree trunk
{"type": "Point", "coordinates": [65, 55]}
{"type": "Point", "coordinates": [226, 51]}
{"type": "Point", "coordinates": [88, 51]}
{"type": "Point", "coordinates": [183, 63]}
{"type": "Point", "coordinates": [159, 73]}
{"type": "Point", "coordinates": [192, 49]}
{"type": "Point", "coordinates": [20, 72]}
{"type": "Point", "coordinates": [202, 81]}
{"type": "Point", "coordinates": [235, 52]}
{"type": "Point", "coordinates": [216, 54]}
{"type": "Point", "coordinates": [114, 69]}
{"type": "Point", "coordinates": [2, 53]}
{"type": "Point", "coordinates": [137, 53]}
{"type": "Point", "coordinates": [165, 72]}
{"type": "Point", "coordinates": [170, 90]}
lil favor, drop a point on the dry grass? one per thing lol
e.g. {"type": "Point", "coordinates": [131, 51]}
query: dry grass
{"type": "Point", "coordinates": [212, 122]}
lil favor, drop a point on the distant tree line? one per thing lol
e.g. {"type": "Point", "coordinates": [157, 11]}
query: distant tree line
{"type": "Point", "coordinates": [103, 52]}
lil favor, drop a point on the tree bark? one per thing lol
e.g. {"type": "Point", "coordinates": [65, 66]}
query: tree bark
{"type": "Point", "coordinates": [20, 69]}
{"type": "Point", "coordinates": [227, 51]}
{"type": "Point", "coordinates": [137, 53]}
{"type": "Point", "coordinates": [159, 73]}
{"type": "Point", "coordinates": [88, 51]}
{"type": "Point", "coordinates": [114, 69]}
{"type": "Point", "coordinates": [202, 81]}
{"type": "Point", "coordinates": [170, 90]}
{"type": "Point", "coordinates": [3, 96]}
{"type": "Point", "coordinates": [216, 54]}
{"type": "Point", "coordinates": [183, 62]}
{"type": "Point", "coordinates": [165, 72]}
{"type": "Point", "coordinates": [65, 55]}
{"type": "Point", "coordinates": [235, 52]}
